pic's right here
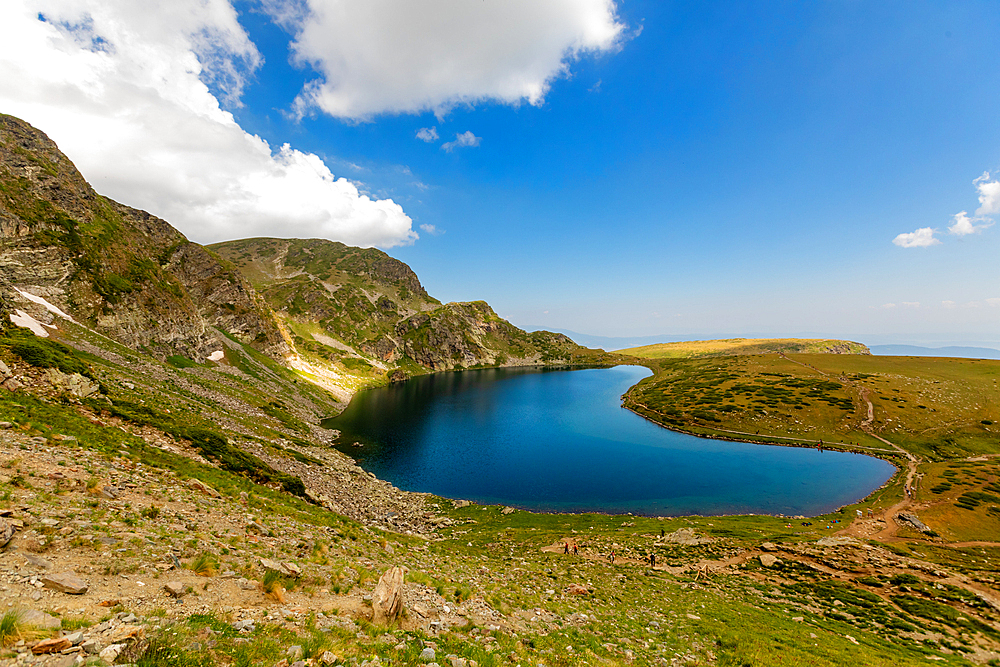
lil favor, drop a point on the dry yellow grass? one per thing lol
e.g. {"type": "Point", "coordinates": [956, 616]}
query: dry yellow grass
{"type": "Point", "coordinates": [735, 346]}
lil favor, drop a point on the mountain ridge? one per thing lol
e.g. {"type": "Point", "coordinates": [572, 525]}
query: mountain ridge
{"type": "Point", "coordinates": [340, 316]}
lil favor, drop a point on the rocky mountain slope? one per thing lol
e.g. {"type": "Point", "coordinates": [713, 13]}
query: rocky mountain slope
{"type": "Point", "coordinates": [366, 312]}
{"type": "Point", "coordinates": [120, 271]}
{"type": "Point", "coordinates": [342, 317]}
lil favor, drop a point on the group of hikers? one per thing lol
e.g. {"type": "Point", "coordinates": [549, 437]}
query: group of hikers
{"type": "Point", "coordinates": [567, 547]}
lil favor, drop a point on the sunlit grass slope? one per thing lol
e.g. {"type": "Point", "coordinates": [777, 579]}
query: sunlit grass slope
{"type": "Point", "coordinates": [730, 346]}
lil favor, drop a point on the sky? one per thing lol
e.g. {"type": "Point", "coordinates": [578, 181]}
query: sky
{"type": "Point", "coordinates": [613, 167]}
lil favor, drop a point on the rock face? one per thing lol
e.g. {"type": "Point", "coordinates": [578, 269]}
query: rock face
{"type": "Point", "coordinates": [387, 600]}
{"type": "Point", "coordinates": [122, 271]}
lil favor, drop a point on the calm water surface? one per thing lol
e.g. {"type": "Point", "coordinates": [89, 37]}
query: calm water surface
{"type": "Point", "coordinates": [560, 441]}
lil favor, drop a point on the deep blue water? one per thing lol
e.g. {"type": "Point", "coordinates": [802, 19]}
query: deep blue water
{"type": "Point", "coordinates": [560, 441]}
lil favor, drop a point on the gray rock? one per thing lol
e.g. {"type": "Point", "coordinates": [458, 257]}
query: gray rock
{"type": "Point", "coordinates": [91, 647]}
{"type": "Point", "coordinates": [686, 536]}
{"type": "Point", "coordinates": [294, 652]}
{"type": "Point", "coordinates": [74, 638]}
{"type": "Point", "coordinates": [110, 654]}
{"type": "Point", "coordinates": [37, 561]}
{"type": "Point", "coordinates": [328, 658]}
{"type": "Point", "coordinates": [7, 529]}
{"type": "Point", "coordinates": [387, 600]}
{"type": "Point", "coordinates": [41, 620]}
{"type": "Point", "coordinates": [175, 589]}
{"type": "Point", "coordinates": [427, 655]}
{"type": "Point", "coordinates": [4, 370]}
{"type": "Point", "coordinates": [65, 582]}
{"type": "Point", "coordinates": [769, 560]}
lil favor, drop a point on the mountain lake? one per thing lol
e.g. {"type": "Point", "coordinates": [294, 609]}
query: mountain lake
{"type": "Point", "coordinates": [559, 441]}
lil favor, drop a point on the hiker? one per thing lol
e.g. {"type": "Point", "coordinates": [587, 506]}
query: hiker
{"type": "Point", "coordinates": [652, 560]}
{"type": "Point", "coordinates": [859, 513]}
{"type": "Point", "coordinates": [576, 550]}
{"type": "Point", "coordinates": [612, 557]}
{"type": "Point", "coordinates": [662, 532]}
{"type": "Point", "coordinates": [566, 548]}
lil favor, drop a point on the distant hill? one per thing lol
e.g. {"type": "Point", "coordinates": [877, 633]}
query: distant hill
{"type": "Point", "coordinates": [949, 351]}
{"type": "Point", "coordinates": [738, 346]}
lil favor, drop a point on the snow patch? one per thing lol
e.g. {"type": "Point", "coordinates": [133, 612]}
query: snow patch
{"type": "Point", "coordinates": [55, 310]}
{"type": "Point", "coordinates": [217, 355]}
{"type": "Point", "coordinates": [23, 319]}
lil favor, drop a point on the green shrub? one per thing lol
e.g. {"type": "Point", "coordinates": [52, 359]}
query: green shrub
{"type": "Point", "coordinates": [43, 352]}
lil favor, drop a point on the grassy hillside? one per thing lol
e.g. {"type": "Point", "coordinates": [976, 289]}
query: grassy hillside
{"type": "Point", "coordinates": [734, 346]}
{"type": "Point", "coordinates": [367, 315]}
{"type": "Point", "coordinates": [943, 412]}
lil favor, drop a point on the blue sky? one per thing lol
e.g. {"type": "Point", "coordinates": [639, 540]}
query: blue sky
{"type": "Point", "coordinates": [633, 168]}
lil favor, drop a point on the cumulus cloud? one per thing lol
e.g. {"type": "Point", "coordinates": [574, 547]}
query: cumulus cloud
{"type": "Point", "coordinates": [428, 134]}
{"type": "Point", "coordinates": [911, 304]}
{"type": "Point", "coordinates": [398, 56]}
{"type": "Point", "coordinates": [993, 301]}
{"type": "Point", "coordinates": [432, 230]}
{"type": "Point", "coordinates": [464, 140]}
{"type": "Point", "coordinates": [921, 238]}
{"type": "Point", "coordinates": [963, 225]}
{"type": "Point", "coordinates": [989, 195]}
{"type": "Point", "coordinates": [131, 91]}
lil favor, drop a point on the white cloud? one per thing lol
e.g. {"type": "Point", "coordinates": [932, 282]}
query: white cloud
{"type": "Point", "coordinates": [464, 140]}
{"type": "Point", "coordinates": [130, 91]}
{"type": "Point", "coordinates": [948, 304]}
{"type": "Point", "coordinates": [989, 195]}
{"type": "Point", "coordinates": [888, 306]}
{"type": "Point", "coordinates": [911, 304]}
{"type": "Point", "coordinates": [400, 56]}
{"type": "Point", "coordinates": [428, 134]}
{"type": "Point", "coordinates": [994, 301]}
{"type": "Point", "coordinates": [432, 230]}
{"type": "Point", "coordinates": [963, 225]}
{"type": "Point", "coordinates": [921, 238]}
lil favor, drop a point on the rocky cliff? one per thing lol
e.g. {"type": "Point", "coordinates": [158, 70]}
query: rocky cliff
{"type": "Point", "coordinates": [123, 272]}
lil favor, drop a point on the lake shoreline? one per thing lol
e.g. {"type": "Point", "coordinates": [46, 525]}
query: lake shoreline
{"type": "Point", "coordinates": [605, 464]}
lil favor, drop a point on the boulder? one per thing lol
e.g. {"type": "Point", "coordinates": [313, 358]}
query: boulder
{"type": "Point", "coordinates": [175, 589]}
{"type": "Point", "coordinates": [54, 645]}
{"type": "Point", "coordinates": [65, 582]}
{"type": "Point", "coordinates": [75, 384]}
{"type": "Point", "coordinates": [37, 561]}
{"type": "Point", "coordinates": [687, 537]}
{"type": "Point", "coordinates": [110, 654]}
{"type": "Point", "coordinates": [577, 589]}
{"type": "Point", "coordinates": [6, 532]}
{"type": "Point", "coordinates": [287, 569]}
{"type": "Point", "coordinates": [427, 655]}
{"type": "Point", "coordinates": [199, 485]}
{"type": "Point", "coordinates": [40, 620]}
{"type": "Point", "coordinates": [387, 600]}
{"type": "Point", "coordinates": [769, 560]}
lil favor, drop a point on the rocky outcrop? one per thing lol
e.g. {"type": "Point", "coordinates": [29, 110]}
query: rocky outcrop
{"type": "Point", "coordinates": [387, 600]}
{"type": "Point", "coordinates": [124, 272]}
